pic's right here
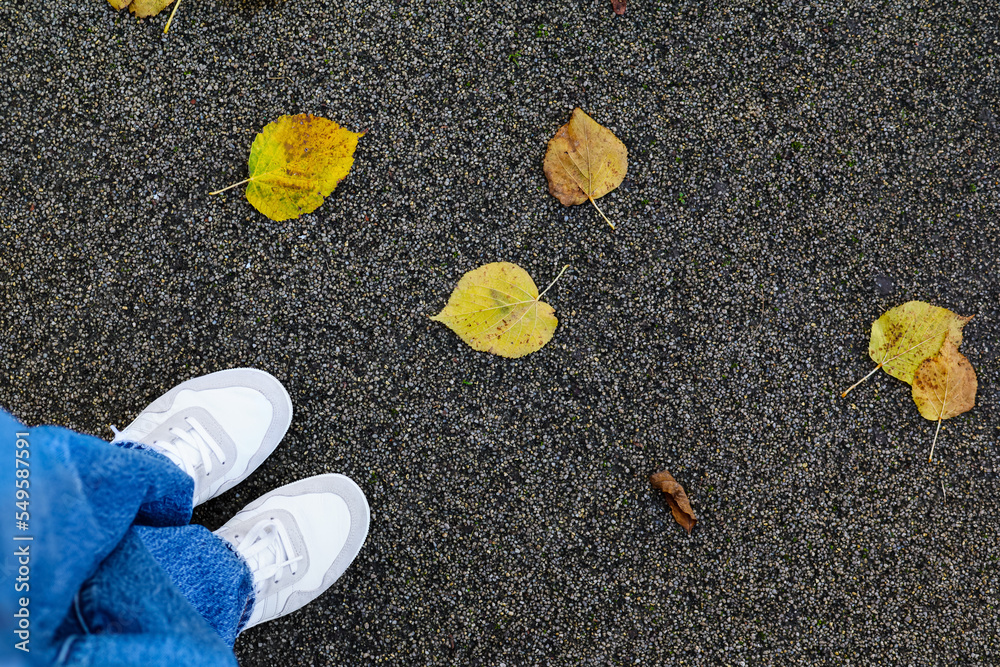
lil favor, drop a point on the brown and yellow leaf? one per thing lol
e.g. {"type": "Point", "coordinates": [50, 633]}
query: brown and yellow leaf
{"type": "Point", "coordinates": [904, 336]}
{"type": "Point", "coordinates": [584, 161]}
{"type": "Point", "coordinates": [295, 162]}
{"type": "Point", "coordinates": [680, 506]}
{"type": "Point", "coordinates": [146, 8]}
{"type": "Point", "coordinates": [497, 308]}
{"type": "Point", "coordinates": [944, 387]}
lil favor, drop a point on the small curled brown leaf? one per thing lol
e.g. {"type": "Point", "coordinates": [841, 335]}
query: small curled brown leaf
{"type": "Point", "coordinates": [676, 498]}
{"type": "Point", "coordinates": [618, 6]}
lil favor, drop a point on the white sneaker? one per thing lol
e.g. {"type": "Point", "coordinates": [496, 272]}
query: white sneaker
{"type": "Point", "coordinates": [297, 540]}
{"type": "Point", "coordinates": [218, 428]}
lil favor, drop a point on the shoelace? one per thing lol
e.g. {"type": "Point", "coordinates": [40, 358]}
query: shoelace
{"type": "Point", "coordinates": [195, 438]}
{"type": "Point", "coordinates": [268, 551]}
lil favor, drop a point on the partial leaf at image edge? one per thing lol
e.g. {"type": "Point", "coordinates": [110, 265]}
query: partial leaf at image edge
{"type": "Point", "coordinates": [147, 8]}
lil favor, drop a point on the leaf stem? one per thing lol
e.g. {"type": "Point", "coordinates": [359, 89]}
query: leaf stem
{"type": "Point", "coordinates": [552, 283]}
{"type": "Point", "coordinates": [169, 20]}
{"type": "Point", "coordinates": [931, 457]}
{"type": "Point", "coordinates": [859, 381]}
{"type": "Point", "coordinates": [245, 180]}
{"type": "Point", "coordinates": [601, 212]}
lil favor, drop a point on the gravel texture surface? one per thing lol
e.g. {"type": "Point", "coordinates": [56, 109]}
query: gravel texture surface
{"type": "Point", "coordinates": [793, 172]}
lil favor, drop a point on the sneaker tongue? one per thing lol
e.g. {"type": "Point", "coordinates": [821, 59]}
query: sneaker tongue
{"type": "Point", "coordinates": [265, 550]}
{"type": "Point", "coordinates": [186, 442]}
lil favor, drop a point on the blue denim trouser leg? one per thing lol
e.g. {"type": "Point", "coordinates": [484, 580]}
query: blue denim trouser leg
{"type": "Point", "coordinates": [101, 567]}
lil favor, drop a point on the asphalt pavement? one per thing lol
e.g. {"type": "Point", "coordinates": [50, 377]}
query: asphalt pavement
{"type": "Point", "coordinates": [794, 170]}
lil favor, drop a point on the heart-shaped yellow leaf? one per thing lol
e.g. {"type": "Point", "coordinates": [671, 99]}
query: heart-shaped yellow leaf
{"type": "Point", "coordinates": [584, 161]}
{"type": "Point", "coordinates": [497, 308]}
{"type": "Point", "coordinates": [295, 162]}
{"type": "Point", "coordinates": [904, 336]}
{"type": "Point", "coordinates": [944, 386]}
{"type": "Point", "coordinates": [907, 335]}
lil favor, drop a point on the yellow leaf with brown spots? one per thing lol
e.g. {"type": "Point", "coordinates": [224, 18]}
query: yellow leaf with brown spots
{"type": "Point", "coordinates": [497, 308]}
{"type": "Point", "coordinates": [144, 8]}
{"type": "Point", "coordinates": [944, 386]}
{"type": "Point", "coordinates": [295, 162]}
{"type": "Point", "coordinates": [584, 161]}
{"type": "Point", "coordinates": [904, 336]}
